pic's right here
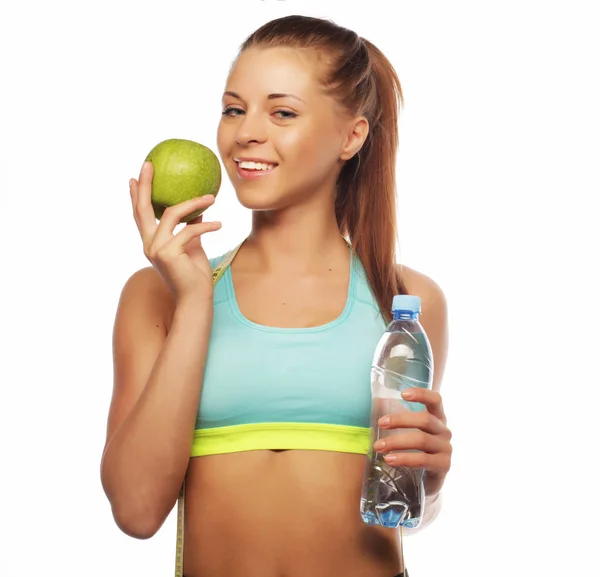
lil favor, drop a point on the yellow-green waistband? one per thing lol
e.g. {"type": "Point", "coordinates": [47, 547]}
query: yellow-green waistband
{"type": "Point", "coordinates": [250, 437]}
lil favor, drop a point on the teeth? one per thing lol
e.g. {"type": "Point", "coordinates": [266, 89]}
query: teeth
{"type": "Point", "coordinates": [248, 165]}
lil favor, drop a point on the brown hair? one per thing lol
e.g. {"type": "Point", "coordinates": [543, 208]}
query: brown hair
{"type": "Point", "coordinates": [364, 80]}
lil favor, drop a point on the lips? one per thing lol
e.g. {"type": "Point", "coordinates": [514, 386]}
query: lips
{"type": "Point", "coordinates": [251, 168]}
{"type": "Point", "coordinates": [249, 163]}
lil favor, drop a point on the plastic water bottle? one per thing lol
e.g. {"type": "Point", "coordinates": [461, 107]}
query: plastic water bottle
{"type": "Point", "coordinates": [395, 496]}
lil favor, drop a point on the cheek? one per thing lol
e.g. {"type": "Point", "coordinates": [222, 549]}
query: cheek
{"type": "Point", "coordinates": [309, 148]}
{"type": "Point", "coordinates": [221, 139]}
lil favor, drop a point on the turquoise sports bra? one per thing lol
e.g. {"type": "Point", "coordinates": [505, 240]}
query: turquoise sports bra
{"type": "Point", "coordinates": [288, 388]}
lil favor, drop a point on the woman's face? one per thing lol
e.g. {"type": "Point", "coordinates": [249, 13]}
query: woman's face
{"type": "Point", "coordinates": [281, 138]}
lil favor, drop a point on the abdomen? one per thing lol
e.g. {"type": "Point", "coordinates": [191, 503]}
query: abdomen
{"type": "Point", "coordinates": [287, 514]}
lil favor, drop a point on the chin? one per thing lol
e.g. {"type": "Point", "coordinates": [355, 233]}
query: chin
{"type": "Point", "coordinates": [260, 196]}
{"type": "Point", "coordinates": [260, 201]}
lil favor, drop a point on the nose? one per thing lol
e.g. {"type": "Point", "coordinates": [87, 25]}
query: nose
{"type": "Point", "coordinates": [252, 129]}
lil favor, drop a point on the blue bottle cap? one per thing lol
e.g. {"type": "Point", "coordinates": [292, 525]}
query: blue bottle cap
{"type": "Point", "coordinates": [410, 303]}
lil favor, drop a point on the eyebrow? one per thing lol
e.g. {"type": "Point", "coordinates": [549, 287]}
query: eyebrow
{"type": "Point", "coordinates": [273, 96]}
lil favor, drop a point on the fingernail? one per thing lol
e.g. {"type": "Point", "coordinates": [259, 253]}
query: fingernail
{"type": "Point", "coordinates": [408, 395]}
{"type": "Point", "coordinates": [379, 445]}
{"type": "Point", "coordinates": [390, 458]}
{"type": "Point", "coordinates": [384, 421]}
{"type": "Point", "coordinates": [130, 182]}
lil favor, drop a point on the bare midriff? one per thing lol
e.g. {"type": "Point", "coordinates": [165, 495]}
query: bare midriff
{"type": "Point", "coordinates": [291, 513]}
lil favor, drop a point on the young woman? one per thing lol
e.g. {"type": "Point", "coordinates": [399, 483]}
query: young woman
{"type": "Point", "coordinates": [256, 391]}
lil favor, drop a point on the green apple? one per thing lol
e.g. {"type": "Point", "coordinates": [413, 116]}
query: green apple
{"type": "Point", "coordinates": [183, 169]}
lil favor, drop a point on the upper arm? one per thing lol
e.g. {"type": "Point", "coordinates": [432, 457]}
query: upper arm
{"type": "Point", "coordinates": [433, 318]}
{"type": "Point", "coordinates": [140, 329]}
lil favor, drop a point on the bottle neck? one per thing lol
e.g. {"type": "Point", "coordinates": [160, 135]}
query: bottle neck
{"type": "Point", "coordinates": [405, 316]}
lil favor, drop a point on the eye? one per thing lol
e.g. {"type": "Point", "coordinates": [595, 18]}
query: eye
{"type": "Point", "coordinates": [232, 111]}
{"type": "Point", "coordinates": [286, 114]}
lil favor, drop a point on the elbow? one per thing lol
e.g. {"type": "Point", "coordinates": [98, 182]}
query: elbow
{"type": "Point", "coordinates": [133, 516]}
{"type": "Point", "coordinates": [137, 524]}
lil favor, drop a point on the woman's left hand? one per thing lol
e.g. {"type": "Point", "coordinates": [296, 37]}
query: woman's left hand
{"type": "Point", "coordinates": [431, 438]}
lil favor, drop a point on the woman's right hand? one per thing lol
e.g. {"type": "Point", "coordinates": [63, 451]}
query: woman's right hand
{"type": "Point", "coordinates": [180, 258]}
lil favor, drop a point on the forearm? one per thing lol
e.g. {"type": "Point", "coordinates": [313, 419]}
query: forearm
{"type": "Point", "coordinates": [145, 461]}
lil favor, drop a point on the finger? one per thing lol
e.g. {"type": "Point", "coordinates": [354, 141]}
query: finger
{"type": "Point", "coordinates": [174, 214]}
{"type": "Point", "coordinates": [143, 205]}
{"type": "Point", "coordinates": [412, 441]}
{"type": "Point", "coordinates": [132, 196]}
{"type": "Point", "coordinates": [422, 420]}
{"type": "Point", "coordinates": [431, 399]}
{"type": "Point", "coordinates": [177, 243]}
{"type": "Point", "coordinates": [194, 247]}
{"type": "Point", "coordinates": [438, 463]}
{"type": "Point", "coordinates": [197, 220]}
{"type": "Point", "coordinates": [190, 232]}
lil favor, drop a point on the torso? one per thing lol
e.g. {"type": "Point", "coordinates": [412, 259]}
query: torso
{"type": "Point", "coordinates": [262, 514]}
{"type": "Point", "coordinates": [283, 513]}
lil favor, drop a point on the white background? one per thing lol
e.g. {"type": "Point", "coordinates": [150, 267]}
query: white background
{"type": "Point", "coordinates": [498, 174]}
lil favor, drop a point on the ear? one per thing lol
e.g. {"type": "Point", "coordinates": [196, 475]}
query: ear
{"type": "Point", "coordinates": [358, 131]}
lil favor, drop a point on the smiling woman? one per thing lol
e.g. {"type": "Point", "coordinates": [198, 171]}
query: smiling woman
{"type": "Point", "coordinates": [288, 131]}
{"type": "Point", "coordinates": [247, 375]}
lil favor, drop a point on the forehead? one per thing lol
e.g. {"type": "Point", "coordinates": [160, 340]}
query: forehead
{"type": "Point", "coordinates": [261, 71]}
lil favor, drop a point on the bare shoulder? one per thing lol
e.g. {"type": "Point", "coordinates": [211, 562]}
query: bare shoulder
{"type": "Point", "coordinates": [148, 287]}
{"type": "Point", "coordinates": [434, 315]}
{"type": "Point", "coordinates": [422, 285]}
{"type": "Point", "coordinates": [140, 328]}
{"type": "Point", "coordinates": [147, 277]}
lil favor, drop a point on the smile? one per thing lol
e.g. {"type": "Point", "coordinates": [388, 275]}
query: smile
{"type": "Point", "coordinates": [250, 169]}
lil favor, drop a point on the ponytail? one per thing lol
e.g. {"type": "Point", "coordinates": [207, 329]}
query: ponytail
{"type": "Point", "coordinates": [366, 195]}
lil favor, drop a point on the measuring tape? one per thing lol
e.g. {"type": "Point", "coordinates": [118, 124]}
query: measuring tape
{"type": "Point", "coordinates": [217, 274]}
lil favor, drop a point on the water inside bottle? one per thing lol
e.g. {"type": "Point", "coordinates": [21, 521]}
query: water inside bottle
{"type": "Point", "coordinates": [391, 495]}
{"type": "Point", "coordinates": [394, 496]}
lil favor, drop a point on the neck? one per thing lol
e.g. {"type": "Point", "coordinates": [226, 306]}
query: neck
{"type": "Point", "coordinates": [302, 238]}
